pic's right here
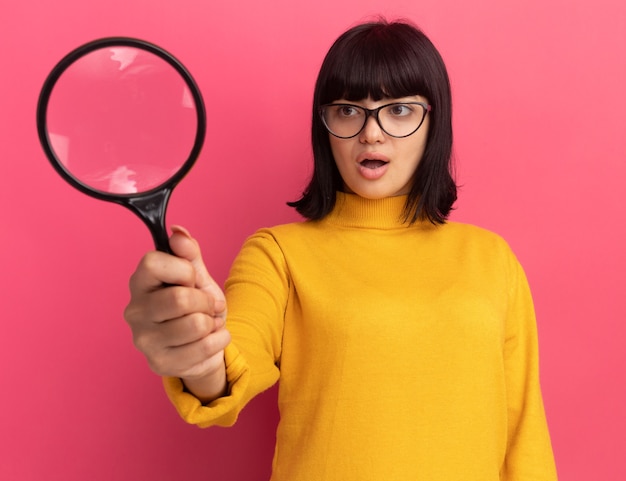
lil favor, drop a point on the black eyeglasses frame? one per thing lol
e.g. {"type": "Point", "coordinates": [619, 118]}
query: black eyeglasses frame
{"type": "Point", "coordinates": [373, 113]}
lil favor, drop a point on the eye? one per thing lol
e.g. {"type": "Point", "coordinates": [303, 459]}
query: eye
{"type": "Point", "coordinates": [400, 110]}
{"type": "Point", "coordinates": [347, 111]}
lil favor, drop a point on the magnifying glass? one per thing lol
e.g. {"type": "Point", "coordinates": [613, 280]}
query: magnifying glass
{"type": "Point", "coordinates": [122, 120]}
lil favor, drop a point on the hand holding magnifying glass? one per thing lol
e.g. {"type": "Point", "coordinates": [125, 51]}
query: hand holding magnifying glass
{"type": "Point", "coordinates": [122, 120]}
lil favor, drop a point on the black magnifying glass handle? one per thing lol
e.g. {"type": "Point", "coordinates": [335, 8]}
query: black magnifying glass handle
{"type": "Point", "coordinates": [151, 209]}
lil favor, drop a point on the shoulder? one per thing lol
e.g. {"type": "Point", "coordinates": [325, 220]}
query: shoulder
{"type": "Point", "coordinates": [471, 229]}
{"type": "Point", "coordinates": [280, 232]}
{"type": "Point", "coordinates": [471, 243]}
{"type": "Point", "coordinates": [270, 239]}
{"type": "Point", "coordinates": [474, 234]}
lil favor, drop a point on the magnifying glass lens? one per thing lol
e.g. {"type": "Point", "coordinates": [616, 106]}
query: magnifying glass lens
{"type": "Point", "coordinates": [121, 120]}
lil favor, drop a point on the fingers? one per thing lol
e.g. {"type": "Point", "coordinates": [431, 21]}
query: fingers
{"type": "Point", "coordinates": [196, 359]}
{"type": "Point", "coordinates": [186, 268]}
{"type": "Point", "coordinates": [175, 330]}
{"type": "Point", "coordinates": [177, 312]}
{"type": "Point", "coordinates": [186, 247]}
{"type": "Point", "coordinates": [179, 332]}
{"type": "Point", "coordinates": [166, 304]}
{"type": "Point", "coordinates": [158, 268]}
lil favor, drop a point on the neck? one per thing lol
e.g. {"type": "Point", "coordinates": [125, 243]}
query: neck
{"type": "Point", "coordinates": [352, 210]}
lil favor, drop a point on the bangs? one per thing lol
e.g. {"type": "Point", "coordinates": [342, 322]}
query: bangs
{"type": "Point", "coordinates": [378, 64]}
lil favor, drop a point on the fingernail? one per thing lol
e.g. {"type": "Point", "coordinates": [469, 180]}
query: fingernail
{"type": "Point", "coordinates": [219, 322]}
{"type": "Point", "coordinates": [219, 305]}
{"type": "Point", "coordinates": [180, 230]}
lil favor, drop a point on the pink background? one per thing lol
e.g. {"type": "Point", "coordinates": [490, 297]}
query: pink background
{"type": "Point", "coordinates": [540, 118]}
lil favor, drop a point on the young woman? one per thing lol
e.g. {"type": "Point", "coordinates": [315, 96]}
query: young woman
{"type": "Point", "coordinates": [405, 345]}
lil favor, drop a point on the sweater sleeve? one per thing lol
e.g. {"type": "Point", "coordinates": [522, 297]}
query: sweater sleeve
{"type": "Point", "coordinates": [529, 452]}
{"type": "Point", "coordinates": [256, 295]}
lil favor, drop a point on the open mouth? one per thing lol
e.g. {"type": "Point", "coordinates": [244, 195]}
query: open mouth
{"type": "Point", "coordinates": [372, 163]}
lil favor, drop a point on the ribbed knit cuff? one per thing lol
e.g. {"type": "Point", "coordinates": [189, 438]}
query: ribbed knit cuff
{"type": "Point", "coordinates": [221, 412]}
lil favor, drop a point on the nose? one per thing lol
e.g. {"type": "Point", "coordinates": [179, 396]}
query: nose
{"type": "Point", "coordinates": [371, 132]}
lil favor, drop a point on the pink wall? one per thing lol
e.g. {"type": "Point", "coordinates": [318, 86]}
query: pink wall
{"type": "Point", "coordinates": [541, 147]}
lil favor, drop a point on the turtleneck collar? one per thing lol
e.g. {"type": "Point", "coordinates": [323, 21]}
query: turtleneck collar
{"type": "Point", "coordinates": [354, 211]}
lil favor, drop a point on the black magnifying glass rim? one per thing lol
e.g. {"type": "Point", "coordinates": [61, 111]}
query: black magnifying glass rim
{"type": "Point", "coordinates": [76, 54]}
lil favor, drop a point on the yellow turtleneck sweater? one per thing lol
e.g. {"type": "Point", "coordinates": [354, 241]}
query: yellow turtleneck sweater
{"type": "Point", "coordinates": [403, 352]}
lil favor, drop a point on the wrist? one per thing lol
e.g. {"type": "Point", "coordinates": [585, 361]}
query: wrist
{"type": "Point", "coordinates": [208, 387]}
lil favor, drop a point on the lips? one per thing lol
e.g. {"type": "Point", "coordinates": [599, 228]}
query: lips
{"type": "Point", "coordinates": [372, 159]}
{"type": "Point", "coordinates": [372, 165]}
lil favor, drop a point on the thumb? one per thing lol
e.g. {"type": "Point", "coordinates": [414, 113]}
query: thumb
{"type": "Point", "coordinates": [185, 246]}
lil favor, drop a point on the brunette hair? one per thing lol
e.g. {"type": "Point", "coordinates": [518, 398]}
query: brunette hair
{"type": "Point", "coordinates": [385, 60]}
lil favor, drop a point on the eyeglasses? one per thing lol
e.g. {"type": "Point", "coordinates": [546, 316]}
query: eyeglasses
{"type": "Point", "coordinates": [398, 119]}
